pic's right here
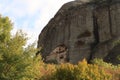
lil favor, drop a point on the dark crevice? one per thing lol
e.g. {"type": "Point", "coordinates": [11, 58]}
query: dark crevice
{"type": "Point", "coordinates": [95, 32]}
{"type": "Point", "coordinates": [96, 35]}
{"type": "Point", "coordinates": [69, 34]}
{"type": "Point", "coordinates": [110, 20]}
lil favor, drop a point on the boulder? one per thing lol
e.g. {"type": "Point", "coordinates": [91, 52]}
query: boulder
{"type": "Point", "coordinates": [81, 30]}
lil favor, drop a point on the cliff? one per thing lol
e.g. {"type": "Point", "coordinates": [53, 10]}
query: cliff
{"type": "Point", "coordinates": [83, 30]}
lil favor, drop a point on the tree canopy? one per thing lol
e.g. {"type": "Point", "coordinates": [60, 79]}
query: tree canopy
{"type": "Point", "coordinates": [16, 61]}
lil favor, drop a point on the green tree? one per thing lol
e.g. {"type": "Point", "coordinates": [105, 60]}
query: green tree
{"type": "Point", "coordinates": [16, 61]}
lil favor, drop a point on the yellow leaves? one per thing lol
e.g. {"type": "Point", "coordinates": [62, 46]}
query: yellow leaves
{"type": "Point", "coordinates": [82, 65]}
{"type": "Point", "coordinates": [84, 62]}
{"type": "Point", "coordinates": [81, 71]}
{"type": "Point", "coordinates": [46, 71]}
{"type": "Point", "coordinates": [66, 66]}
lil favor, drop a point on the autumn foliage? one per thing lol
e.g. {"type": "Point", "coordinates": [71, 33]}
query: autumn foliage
{"type": "Point", "coordinates": [98, 70]}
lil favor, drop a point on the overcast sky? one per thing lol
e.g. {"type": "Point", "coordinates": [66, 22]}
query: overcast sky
{"type": "Point", "coordinates": [30, 15]}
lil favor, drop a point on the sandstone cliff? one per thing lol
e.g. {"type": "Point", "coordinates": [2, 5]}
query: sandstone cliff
{"type": "Point", "coordinates": [83, 30]}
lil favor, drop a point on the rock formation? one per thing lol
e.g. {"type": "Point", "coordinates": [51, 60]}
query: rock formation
{"type": "Point", "coordinates": [82, 30]}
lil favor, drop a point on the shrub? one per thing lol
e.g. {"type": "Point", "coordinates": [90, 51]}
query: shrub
{"type": "Point", "coordinates": [82, 71]}
{"type": "Point", "coordinates": [86, 71]}
{"type": "Point", "coordinates": [64, 72]}
{"type": "Point", "coordinates": [114, 70]}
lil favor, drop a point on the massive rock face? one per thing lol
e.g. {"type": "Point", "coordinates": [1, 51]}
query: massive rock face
{"type": "Point", "coordinates": [82, 30]}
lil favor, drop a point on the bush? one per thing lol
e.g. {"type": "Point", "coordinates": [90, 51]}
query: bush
{"type": "Point", "coordinates": [82, 71]}
{"type": "Point", "coordinates": [114, 70]}
{"type": "Point", "coordinates": [86, 71]}
{"type": "Point", "coordinates": [64, 72]}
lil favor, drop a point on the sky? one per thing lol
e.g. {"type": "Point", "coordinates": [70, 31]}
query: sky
{"type": "Point", "coordinates": [30, 15]}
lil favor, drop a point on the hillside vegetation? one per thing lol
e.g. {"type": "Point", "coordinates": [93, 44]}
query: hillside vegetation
{"type": "Point", "coordinates": [20, 63]}
{"type": "Point", "coordinates": [98, 70]}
